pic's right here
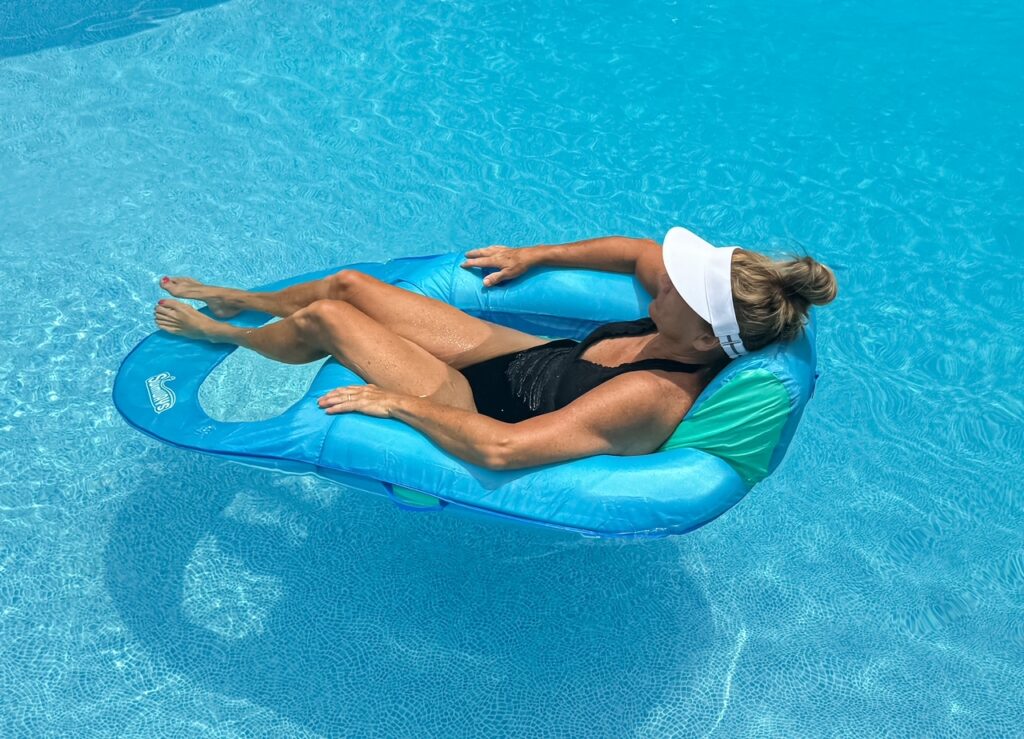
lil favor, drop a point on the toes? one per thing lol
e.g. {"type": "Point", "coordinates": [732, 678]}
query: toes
{"type": "Point", "coordinates": [170, 284]}
{"type": "Point", "coordinates": [168, 311]}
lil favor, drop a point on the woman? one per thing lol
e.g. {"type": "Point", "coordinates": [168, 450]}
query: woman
{"type": "Point", "coordinates": [506, 399]}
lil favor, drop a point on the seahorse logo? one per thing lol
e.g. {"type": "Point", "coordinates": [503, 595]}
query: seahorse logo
{"type": "Point", "coordinates": [161, 397]}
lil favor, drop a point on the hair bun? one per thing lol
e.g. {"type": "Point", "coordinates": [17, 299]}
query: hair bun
{"type": "Point", "coordinates": [807, 280]}
{"type": "Point", "coordinates": [772, 298]}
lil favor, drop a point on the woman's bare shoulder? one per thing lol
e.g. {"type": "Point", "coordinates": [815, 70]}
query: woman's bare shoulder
{"type": "Point", "coordinates": [679, 389]}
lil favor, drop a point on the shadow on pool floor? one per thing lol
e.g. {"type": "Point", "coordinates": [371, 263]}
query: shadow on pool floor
{"type": "Point", "coordinates": [28, 27]}
{"type": "Point", "coordinates": [409, 625]}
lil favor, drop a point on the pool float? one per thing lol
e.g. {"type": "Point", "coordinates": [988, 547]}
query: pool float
{"type": "Point", "coordinates": [736, 433]}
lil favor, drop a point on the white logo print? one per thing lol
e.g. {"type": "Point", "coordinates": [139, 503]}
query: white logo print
{"type": "Point", "coordinates": [160, 396]}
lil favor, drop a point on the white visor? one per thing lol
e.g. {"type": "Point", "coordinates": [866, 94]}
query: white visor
{"type": "Point", "coordinates": [702, 275]}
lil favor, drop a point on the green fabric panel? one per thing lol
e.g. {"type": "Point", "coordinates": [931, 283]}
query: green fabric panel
{"type": "Point", "coordinates": [741, 423]}
{"type": "Point", "coordinates": [414, 497]}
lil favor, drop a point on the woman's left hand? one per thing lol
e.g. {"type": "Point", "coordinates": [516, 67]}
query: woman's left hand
{"type": "Point", "coordinates": [367, 399]}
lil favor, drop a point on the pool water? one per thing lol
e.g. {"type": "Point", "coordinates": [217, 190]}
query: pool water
{"type": "Point", "coordinates": [874, 585]}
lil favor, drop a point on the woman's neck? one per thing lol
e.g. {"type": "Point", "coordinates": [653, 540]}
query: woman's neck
{"type": "Point", "coordinates": [656, 346]}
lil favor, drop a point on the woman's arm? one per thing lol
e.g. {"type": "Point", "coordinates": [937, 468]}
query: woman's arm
{"type": "Point", "coordinates": [607, 253]}
{"type": "Point", "coordinates": [629, 414]}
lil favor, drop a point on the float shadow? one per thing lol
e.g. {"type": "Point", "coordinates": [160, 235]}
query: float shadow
{"type": "Point", "coordinates": [346, 616]}
{"type": "Point", "coordinates": [29, 27]}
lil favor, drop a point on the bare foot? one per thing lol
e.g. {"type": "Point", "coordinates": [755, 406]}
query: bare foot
{"type": "Point", "coordinates": [179, 318]}
{"type": "Point", "coordinates": [220, 299]}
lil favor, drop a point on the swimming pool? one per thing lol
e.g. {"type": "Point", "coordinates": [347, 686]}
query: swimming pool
{"type": "Point", "coordinates": [874, 584]}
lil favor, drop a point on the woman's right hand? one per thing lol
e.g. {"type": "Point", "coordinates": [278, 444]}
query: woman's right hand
{"type": "Point", "coordinates": [510, 262]}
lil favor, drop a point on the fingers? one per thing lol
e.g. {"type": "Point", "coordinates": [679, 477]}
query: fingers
{"type": "Point", "coordinates": [480, 262]}
{"type": "Point", "coordinates": [348, 399]}
{"type": "Point", "coordinates": [485, 251]}
{"type": "Point", "coordinates": [485, 257]}
{"type": "Point", "coordinates": [495, 277]}
{"type": "Point", "coordinates": [339, 404]}
{"type": "Point", "coordinates": [504, 271]}
{"type": "Point", "coordinates": [339, 393]}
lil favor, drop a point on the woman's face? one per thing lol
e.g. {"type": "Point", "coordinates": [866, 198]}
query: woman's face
{"type": "Point", "coordinates": [676, 320]}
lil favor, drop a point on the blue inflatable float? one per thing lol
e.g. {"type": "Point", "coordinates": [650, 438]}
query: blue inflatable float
{"type": "Point", "coordinates": [685, 485]}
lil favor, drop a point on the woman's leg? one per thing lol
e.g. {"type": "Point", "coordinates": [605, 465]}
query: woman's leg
{"type": "Point", "coordinates": [444, 331]}
{"type": "Point", "coordinates": [226, 302]}
{"type": "Point", "coordinates": [334, 327]}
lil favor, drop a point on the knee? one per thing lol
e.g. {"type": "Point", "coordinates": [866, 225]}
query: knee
{"type": "Point", "coordinates": [344, 283]}
{"type": "Point", "coordinates": [318, 314]}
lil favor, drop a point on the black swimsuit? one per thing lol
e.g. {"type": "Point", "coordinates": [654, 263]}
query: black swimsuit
{"type": "Point", "coordinates": [523, 384]}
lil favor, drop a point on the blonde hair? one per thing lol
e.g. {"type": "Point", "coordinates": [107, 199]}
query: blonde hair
{"type": "Point", "coordinates": [772, 297]}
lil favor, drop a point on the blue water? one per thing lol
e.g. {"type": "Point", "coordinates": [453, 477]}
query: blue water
{"type": "Point", "coordinates": [874, 585]}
